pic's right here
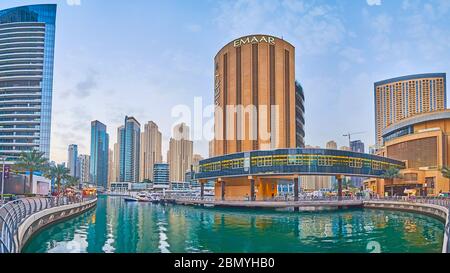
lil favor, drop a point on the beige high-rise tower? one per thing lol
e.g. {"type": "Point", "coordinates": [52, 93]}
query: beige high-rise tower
{"type": "Point", "coordinates": [400, 98]}
{"type": "Point", "coordinates": [256, 96]}
{"type": "Point", "coordinates": [111, 167]}
{"type": "Point", "coordinates": [151, 143]}
{"type": "Point", "coordinates": [180, 153]}
{"type": "Point", "coordinates": [116, 162]}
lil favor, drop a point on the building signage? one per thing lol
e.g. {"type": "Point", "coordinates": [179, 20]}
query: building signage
{"type": "Point", "coordinates": [254, 40]}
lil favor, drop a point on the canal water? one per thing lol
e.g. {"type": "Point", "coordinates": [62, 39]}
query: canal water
{"type": "Point", "coordinates": [120, 227]}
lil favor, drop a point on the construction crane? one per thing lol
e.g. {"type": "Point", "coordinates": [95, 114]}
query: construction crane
{"type": "Point", "coordinates": [349, 135]}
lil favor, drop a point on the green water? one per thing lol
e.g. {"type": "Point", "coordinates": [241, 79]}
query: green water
{"type": "Point", "coordinates": [116, 226]}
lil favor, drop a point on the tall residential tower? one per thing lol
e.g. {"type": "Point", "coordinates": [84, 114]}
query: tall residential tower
{"type": "Point", "coordinates": [129, 138]}
{"type": "Point", "coordinates": [403, 97]}
{"type": "Point", "coordinates": [27, 41]}
{"type": "Point", "coordinates": [180, 153]}
{"type": "Point", "coordinates": [151, 143]}
{"type": "Point", "coordinates": [72, 159]}
{"type": "Point", "coordinates": [99, 154]}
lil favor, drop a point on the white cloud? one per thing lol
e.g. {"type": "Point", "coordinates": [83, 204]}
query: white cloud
{"type": "Point", "coordinates": [373, 2]}
{"type": "Point", "coordinates": [73, 2]}
{"type": "Point", "coordinates": [194, 28]}
{"type": "Point", "coordinates": [314, 29]}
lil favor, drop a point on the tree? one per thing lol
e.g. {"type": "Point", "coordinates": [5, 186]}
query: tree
{"type": "Point", "coordinates": [391, 174]}
{"type": "Point", "coordinates": [445, 172]}
{"type": "Point", "coordinates": [30, 162]}
{"type": "Point", "coordinates": [58, 172]}
{"type": "Point", "coordinates": [72, 181]}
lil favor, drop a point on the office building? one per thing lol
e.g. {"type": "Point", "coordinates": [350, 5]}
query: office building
{"type": "Point", "coordinates": [72, 159]}
{"type": "Point", "coordinates": [403, 97]}
{"type": "Point", "coordinates": [99, 155]}
{"type": "Point", "coordinates": [357, 146]}
{"type": "Point", "coordinates": [256, 96]}
{"type": "Point", "coordinates": [84, 162]}
{"type": "Point", "coordinates": [299, 115]}
{"type": "Point", "coordinates": [27, 41]}
{"type": "Point", "coordinates": [130, 138]}
{"type": "Point", "coordinates": [161, 175]}
{"type": "Point", "coordinates": [151, 153]}
{"type": "Point", "coordinates": [111, 166]}
{"type": "Point", "coordinates": [116, 169]}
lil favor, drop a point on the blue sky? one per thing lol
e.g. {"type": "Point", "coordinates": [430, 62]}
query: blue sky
{"type": "Point", "coordinates": [115, 58]}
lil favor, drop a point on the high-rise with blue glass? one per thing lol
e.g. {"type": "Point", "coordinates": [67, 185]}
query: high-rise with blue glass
{"type": "Point", "coordinates": [27, 41]}
{"type": "Point", "coordinates": [99, 154]}
{"type": "Point", "coordinates": [129, 137]}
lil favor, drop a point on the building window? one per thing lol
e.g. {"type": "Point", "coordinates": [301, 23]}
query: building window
{"type": "Point", "coordinates": [287, 85]}
{"type": "Point", "coordinates": [325, 161]}
{"type": "Point", "coordinates": [255, 92]}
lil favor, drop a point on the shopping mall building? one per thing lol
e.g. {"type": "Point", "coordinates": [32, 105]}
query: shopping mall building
{"type": "Point", "coordinates": [423, 143]}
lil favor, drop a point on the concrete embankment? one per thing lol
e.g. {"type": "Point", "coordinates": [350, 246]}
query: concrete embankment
{"type": "Point", "coordinates": [50, 216]}
{"type": "Point", "coordinates": [437, 211]}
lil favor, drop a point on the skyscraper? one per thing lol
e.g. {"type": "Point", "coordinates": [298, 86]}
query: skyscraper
{"type": "Point", "coordinates": [116, 174]}
{"type": "Point", "coordinates": [151, 143]}
{"type": "Point", "coordinates": [27, 41]}
{"type": "Point", "coordinates": [99, 154]}
{"type": "Point", "coordinates": [130, 138]}
{"type": "Point", "coordinates": [110, 167]}
{"type": "Point", "coordinates": [84, 164]}
{"type": "Point", "coordinates": [357, 146]}
{"type": "Point", "coordinates": [255, 78]}
{"type": "Point", "coordinates": [180, 153]}
{"type": "Point", "coordinates": [403, 97]}
{"type": "Point", "coordinates": [72, 159]}
{"type": "Point", "coordinates": [299, 115]}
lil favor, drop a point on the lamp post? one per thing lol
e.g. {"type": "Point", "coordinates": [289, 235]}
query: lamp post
{"type": "Point", "coordinates": [3, 181]}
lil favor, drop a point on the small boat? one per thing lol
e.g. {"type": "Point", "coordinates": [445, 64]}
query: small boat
{"type": "Point", "coordinates": [131, 199]}
{"type": "Point", "coordinates": [144, 199]}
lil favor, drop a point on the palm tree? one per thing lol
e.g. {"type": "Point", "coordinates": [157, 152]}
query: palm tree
{"type": "Point", "coordinates": [30, 162]}
{"type": "Point", "coordinates": [58, 172]}
{"type": "Point", "coordinates": [391, 174]}
{"type": "Point", "coordinates": [72, 181]}
{"type": "Point", "coordinates": [445, 172]}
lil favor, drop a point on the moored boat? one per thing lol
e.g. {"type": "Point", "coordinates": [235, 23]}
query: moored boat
{"type": "Point", "coordinates": [131, 199]}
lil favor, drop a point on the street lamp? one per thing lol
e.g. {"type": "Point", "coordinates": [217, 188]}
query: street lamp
{"type": "Point", "coordinates": [3, 181]}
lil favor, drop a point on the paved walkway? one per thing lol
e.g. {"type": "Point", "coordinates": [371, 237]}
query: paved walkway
{"type": "Point", "coordinates": [273, 204]}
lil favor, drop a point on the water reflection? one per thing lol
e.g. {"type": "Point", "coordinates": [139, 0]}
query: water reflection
{"type": "Point", "coordinates": [116, 226]}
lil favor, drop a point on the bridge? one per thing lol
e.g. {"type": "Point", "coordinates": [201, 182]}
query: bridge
{"type": "Point", "coordinates": [260, 171]}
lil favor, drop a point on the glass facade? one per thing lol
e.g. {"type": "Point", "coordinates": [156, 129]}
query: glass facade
{"type": "Point", "coordinates": [27, 41]}
{"type": "Point", "coordinates": [130, 139]}
{"type": "Point", "coordinates": [99, 154]}
{"type": "Point", "coordinates": [161, 174]}
{"type": "Point", "coordinates": [296, 161]}
{"type": "Point", "coordinates": [299, 115]}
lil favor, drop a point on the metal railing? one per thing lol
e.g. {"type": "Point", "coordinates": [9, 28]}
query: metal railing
{"type": "Point", "coordinates": [275, 199]}
{"type": "Point", "coordinates": [439, 201]}
{"type": "Point", "coordinates": [14, 213]}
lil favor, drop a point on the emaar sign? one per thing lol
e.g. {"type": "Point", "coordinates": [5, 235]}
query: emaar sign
{"type": "Point", "coordinates": [254, 40]}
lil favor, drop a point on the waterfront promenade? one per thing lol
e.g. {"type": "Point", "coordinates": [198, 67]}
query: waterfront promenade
{"type": "Point", "coordinates": [21, 218]}
{"type": "Point", "coordinates": [317, 203]}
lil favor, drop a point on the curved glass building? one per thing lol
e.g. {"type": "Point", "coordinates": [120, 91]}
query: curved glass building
{"type": "Point", "coordinates": [27, 40]}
